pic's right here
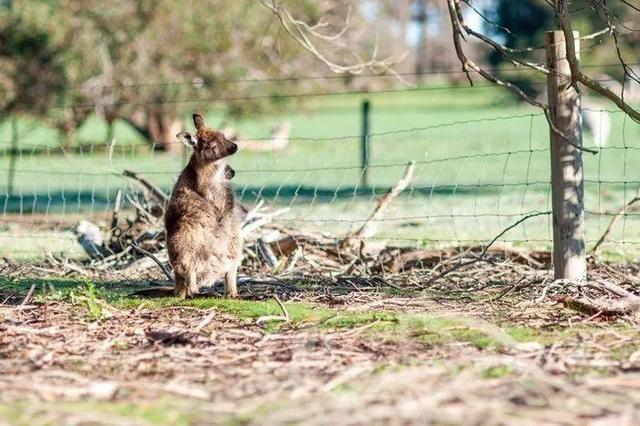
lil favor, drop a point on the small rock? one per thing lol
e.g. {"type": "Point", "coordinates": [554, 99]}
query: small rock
{"type": "Point", "coordinates": [103, 390]}
{"type": "Point", "coordinates": [529, 346]}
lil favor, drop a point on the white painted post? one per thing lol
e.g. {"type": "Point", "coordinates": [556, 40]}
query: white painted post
{"type": "Point", "coordinates": [567, 180]}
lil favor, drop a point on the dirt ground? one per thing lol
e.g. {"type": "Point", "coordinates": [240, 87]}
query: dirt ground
{"type": "Point", "coordinates": [499, 355]}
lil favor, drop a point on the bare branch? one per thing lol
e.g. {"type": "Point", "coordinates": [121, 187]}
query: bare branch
{"type": "Point", "coordinates": [144, 182]}
{"type": "Point", "coordinates": [608, 30]}
{"type": "Point", "coordinates": [157, 261]}
{"type": "Point", "coordinates": [305, 35]}
{"type": "Point", "coordinates": [504, 50]}
{"type": "Point", "coordinates": [460, 28]}
{"type": "Point", "coordinates": [614, 220]}
{"type": "Point", "coordinates": [484, 18]}
{"type": "Point", "coordinates": [368, 228]}
{"type": "Point", "coordinates": [560, 9]}
{"type": "Point", "coordinates": [576, 73]}
{"type": "Point", "coordinates": [488, 246]}
{"type": "Point", "coordinates": [636, 8]}
{"type": "Point", "coordinates": [565, 137]}
{"type": "Point", "coordinates": [456, 22]}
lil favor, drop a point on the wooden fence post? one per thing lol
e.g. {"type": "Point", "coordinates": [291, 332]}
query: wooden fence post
{"type": "Point", "coordinates": [567, 177]}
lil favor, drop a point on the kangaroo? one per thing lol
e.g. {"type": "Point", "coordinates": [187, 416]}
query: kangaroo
{"type": "Point", "coordinates": [203, 234]}
{"type": "Point", "coordinates": [229, 173]}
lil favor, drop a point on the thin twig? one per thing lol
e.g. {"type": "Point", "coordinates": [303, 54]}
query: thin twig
{"type": "Point", "coordinates": [486, 248]}
{"type": "Point", "coordinates": [155, 259]}
{"type": "Point", "coordinates": [284, 317]}
{"type": "Point", "coordinates": [367, 229]}
{"type": "Point", "coordinates": [267, 254]}
{"type": "Point", "coordinates": [29, 295]}
{"type": "Point", "coordinates": [304, 34]}
{"type": "Point", "coordinates": [614, 220]}
{"type": "Point", "coordinates": [144, 182]}
{"type": "Point", "coordinates": [205, 321]}
{"type": "Point", "coordinates": [577, 75]}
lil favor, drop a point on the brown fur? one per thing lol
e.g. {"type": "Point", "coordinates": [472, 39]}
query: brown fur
{"type": "Point", "coordinates": [203, 234]}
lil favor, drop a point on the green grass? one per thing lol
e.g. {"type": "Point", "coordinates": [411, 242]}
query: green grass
{"type": "Point", "coordinates": [158, 412]}
{"type": "Point", "coordinates": [432, 331]}
{"type": "Point", "coordinates": [301, 314]}
{"type": "Point", "coordinates": [497, 371]}
{"type": "Point", "coordinates": [459, 194]}
{"type": "Point", "coordinates": [92, 297]}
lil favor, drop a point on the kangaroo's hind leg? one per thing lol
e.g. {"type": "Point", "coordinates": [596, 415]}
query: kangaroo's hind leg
{"type": "Point", "coordinates": [182, 285]}
{"type": "Point", "coordinates": [193, 283]}
{"type": "Point", "coordinates": [186, 284]}
{"type": "Point", "coordinates": [230, 283]}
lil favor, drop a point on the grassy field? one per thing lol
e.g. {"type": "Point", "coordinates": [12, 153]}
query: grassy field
{"type": "Point", "coordinates": [482, 162]}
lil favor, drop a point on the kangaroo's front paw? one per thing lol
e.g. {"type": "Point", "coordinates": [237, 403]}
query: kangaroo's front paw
{"type": "Point", "coordinates": [184, 292]}
{"type": "Point", "coordinates": [181, 292]}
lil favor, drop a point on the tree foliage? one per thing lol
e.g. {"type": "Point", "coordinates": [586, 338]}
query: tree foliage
{"type": "Point", "coordinates": [148, 62]}
{"type": "Point", "coordinates": [520, 23]}
{"type": "Point", "coordinates": [31, 68]}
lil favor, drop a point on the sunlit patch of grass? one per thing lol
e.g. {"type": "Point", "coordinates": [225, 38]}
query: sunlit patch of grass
{"type": "Point", "coordinates": [476, 338]}
{"type": "Point", "coordinates": [436, 330]}
{"type": "Point", "coordinates": [623, 352]}
{"type": "Point", "coordinates": [158, 412]}
{"type": "Point", "coordinates": [523, 334]}
{"type": "Point", "coordinates": [60, 288]}
{"type": "Point", "coordinates": [98, 299]}
{"type": "Point", "coordinates": [356, 319]}
{"type": "Point", "coordinates": [300, 313]}
{"type": "Point", "coordinates": [243, 309]}
{"type": "Point", "coordinates": [497, 371]}
{"type": "Point", "coordinates": [88, 298]}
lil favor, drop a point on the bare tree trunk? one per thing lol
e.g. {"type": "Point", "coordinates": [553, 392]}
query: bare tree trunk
{"type": "Point", "coordinates": [422, 55]}
{"type": "Point", "coordinates": [158, 126]}
{"type": "Point", "coordinates": [163, 129]}
{"type": "Point", "coordinates": [68, 125]}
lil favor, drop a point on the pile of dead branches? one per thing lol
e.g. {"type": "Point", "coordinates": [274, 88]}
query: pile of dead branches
{"type": "Point", "coordinates": [136, 243]}
{"type": "Point", "coordinates": [135, 239]}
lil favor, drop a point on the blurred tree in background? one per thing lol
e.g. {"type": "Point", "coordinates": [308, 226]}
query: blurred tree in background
{"type": "Point", "coordinates": [146, 62]}
{"type": "Point", "coordinates": [523, 23]}
{"type": "Point", "coordinates": [150, 62]}
{"type": "Point", "coordinates": [31, 68]}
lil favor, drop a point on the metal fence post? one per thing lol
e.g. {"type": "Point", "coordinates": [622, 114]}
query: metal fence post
{"type": "Point", "coordinates": [364, 172]}
{"type": "Point", "coordinates": [13, 155]}
{"type": "Point", "coordinates": [567, 175]}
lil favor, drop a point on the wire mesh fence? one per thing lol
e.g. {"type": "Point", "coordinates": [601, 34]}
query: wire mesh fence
{"type": "Point", "coordinates": [473, 178]}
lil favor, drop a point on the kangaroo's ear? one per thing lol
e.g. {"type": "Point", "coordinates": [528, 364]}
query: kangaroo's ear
{"type": "Point", "coordinates": [187, 139]}
{"type": "Point", "coordinates": [198, 121]}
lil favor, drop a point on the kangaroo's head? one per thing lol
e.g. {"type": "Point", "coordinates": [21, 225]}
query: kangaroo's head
{"type": "Point", "coordinates": [208, 145]}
